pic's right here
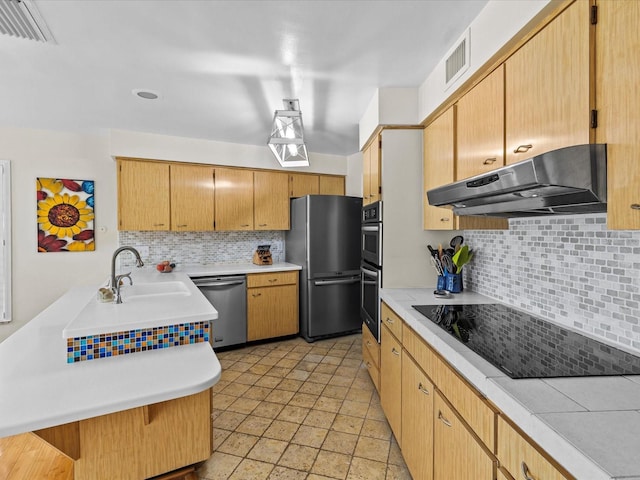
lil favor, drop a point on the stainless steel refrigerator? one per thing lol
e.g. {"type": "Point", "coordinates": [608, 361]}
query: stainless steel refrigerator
{"type": "Point", "coordinates": [325, 240]}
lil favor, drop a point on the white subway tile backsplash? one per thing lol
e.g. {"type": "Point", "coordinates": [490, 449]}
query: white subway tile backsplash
{"type": "Point", "coordinates": [569, 269]}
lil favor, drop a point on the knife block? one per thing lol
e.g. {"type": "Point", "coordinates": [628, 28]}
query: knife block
{"type": "Point", "coordinates": [262, 255]}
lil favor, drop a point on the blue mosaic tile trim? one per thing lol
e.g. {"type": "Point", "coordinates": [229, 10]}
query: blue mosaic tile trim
{"type": "Point", "coordinates": [104, 345]}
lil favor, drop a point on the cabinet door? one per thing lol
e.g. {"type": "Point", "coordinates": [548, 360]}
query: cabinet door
{"type": "Point", "coordinates": [366, 175]}
{"type": "Point", "coordinates": [192, 197]}
{"type": "Point", "coordinates": [331, 185]}
{"type": "Point", "coordinates": [417, 420]}
{"type": "Point", "coordinates": [271, 200]}
{"type": "Point", "coordinates": [391, 381]}
{"type": "Point", "coordinates": [234, 199]}
{"type": "Point", "coordinates": [301, 185]}
{"type": "Point", "coordinates": [438, 168]}
{"type": "Point", "coordinates": [480, 127]}
{"type": "Point", "coordinates": [457, 454]}
{"type": "Point", "coordinates": [618, 72]}
{"type": "Point", "coordinates": [272, 312]}
{"type": "Point", "coordinates": [143, 195]}
{"type": "Point", "coordinates": [375, 181]}
{"type": "Point", "coordinates": [548, 87]}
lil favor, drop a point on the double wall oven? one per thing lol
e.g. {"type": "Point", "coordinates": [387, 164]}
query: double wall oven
{"type": "Point", "coordinates": [371, 266]}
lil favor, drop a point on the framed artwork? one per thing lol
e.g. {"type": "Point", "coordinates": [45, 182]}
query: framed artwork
{"type": "Point", "coordinates": [65, 215]}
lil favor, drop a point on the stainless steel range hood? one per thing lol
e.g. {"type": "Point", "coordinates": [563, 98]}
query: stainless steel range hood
{"type": "Point", "coordinates": [565, 181]}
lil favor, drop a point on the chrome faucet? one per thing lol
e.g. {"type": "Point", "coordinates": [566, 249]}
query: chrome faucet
{"type": "Point", "coordinates": [114, 280]}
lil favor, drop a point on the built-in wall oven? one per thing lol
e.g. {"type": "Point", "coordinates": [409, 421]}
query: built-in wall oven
{"type": "Point", "coordinates": [371, 267]}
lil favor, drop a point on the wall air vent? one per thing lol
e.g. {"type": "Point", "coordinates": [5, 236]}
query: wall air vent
{"type": "Point", "coordinates": [457, 60]}
{"type": "Point", "coordinates": [21, 18]}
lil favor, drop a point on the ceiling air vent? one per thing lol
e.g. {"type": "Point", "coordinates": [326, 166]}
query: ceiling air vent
{"type": "Point", "coordinates": [21, 18]}
{"type": "Point", "coordinates": [457, 61]}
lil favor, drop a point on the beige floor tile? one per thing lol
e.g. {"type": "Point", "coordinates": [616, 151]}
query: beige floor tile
{"type": "Point", "coordinates": [219, 466]}
{"type": "Point", "coordinates": [257, 393]}
{"type": "Point", "coordinates": [226, 362]}
{"type": "Point", "coordinates": [248, 378]}
{"type": "Point", "coordinates": [279, 396]}
{"type": "Point", "coordinates": [326, 368]}
{"type": "Point", "coordinates": [363, 469]}
{"type": "Point", "coordinates": [355, 409]}
{"type": "Point", "coordinates": [351, 362]}
{"type": "Point", "coordinates": [287, 363]}
{"type": "Point", "coordinates": [341, 381]}
{"type": "Point", "coordinates": [279, 372]}
{"type": "Point", "coordinates": [306, 366]}
{"type": "Point", "coordinates": [335, 391]}
{"type": "Point", "coordinates": [251, 469]}
{"type": "Point", "coordinates": [222, 401]}
{"type": "Point", "coordinates": [395, 472]}
{"type": "Point", "coordinates": [278, 353]}
{"type": "Point", "coordinates": [261, 351]}
{"type": "Point", "coordinates": [395, 455]}
{"type": "Point", "coordinates": [243, 405]}
{"type": "Point", "coordinates": [375, 412]}
{"type": "Point", "coordinates": [340, 442]}
{"type": "Point", "coordinates": [254, 425]}
{"type": "Point", "coordinates": [331, 464]}
{"type": "Point", "coordinates": [327, 404]}
{"type": "Point", "coordinates": [376, 429]}
{"type": "Point", "coordinates": [363, 383]}
{"type": "Point", "coordinates": [251, 358]}
{"type": "Point", "coordinates": [359, 395]}
{"type": "Point", "coordinates": [306, 400]}
{"type": "Point", "coordinates": [331, 360]}
{"type": "Point", "coordinates": [281, 430]}
{"type": "Point", "coordinates": [238, 444]}
{"type": "Point", "coordinates": [283, 473]}
{"type": "Point", "coordinates": [229, 420]}
{"type": "Point", "coordinates": [298, 374]}
{"type": "Point", "coordinates": [347, 372]}
{"type": "Point", "coordinates": [298, 457]}
{"type": "Point", "coordinates": [347, 424]}
{"type": "Point", "coordinates": [219, 436]}
{"type": "Point", "coordinates": [318, 377]}
{"type": "Point", "coordinates": [268, 450]}
{"type": "Point", "coordinates": [221, 385]}
{"type": "Point", "coordinates": [373, 449]}
{"type": "Point", "coordinates": [310, 436]}
{"type": "Point", "coordinates": [321, 349]}
{"type": "Point", "coordinates": [235, 389]}
{"type": "Point", "coordinates": [268, 410]}
{"type": "Point", "coordinates": [295, 355]}
{"type": "Point", "coordinates": [293, 413]}
{"type": "Point", "coordinates": [314, 358]}
{"type": "Point", "coordinates": [259, 369]}
{"type": "Point", "coordinates": [215, 413]}
{"type": "Point", "coordinates": [312, 388]}
{"type": "Point", "coordinates": [271, 361]}
{"type": "Point", "coordinates": [318, 418]}
{"type": "Point", "coordinates": [240, 367]}
{"type": "Point", "coordinates": [290, 385]}
{"type": "Point", "coordinates": [306, 348]}
{"type": "Point", "coordinates": [338, 352]}
{"type": "Point", "coordinates": [268, 382]}
{"type": "Point", "coordinates": [314, 476]}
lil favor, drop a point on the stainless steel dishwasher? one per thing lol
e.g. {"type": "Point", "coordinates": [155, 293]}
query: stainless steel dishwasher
{"type": "Point", "coordinates": [228, 295]}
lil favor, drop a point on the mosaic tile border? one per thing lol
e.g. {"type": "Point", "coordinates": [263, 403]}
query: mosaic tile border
{"type": "Point", "coordinates": [91, 347]}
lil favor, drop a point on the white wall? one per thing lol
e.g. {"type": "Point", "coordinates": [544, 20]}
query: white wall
{"type": "Point", "coordinates": [353, 182]}
{"type": "Point", "coordinates": [40, 278]}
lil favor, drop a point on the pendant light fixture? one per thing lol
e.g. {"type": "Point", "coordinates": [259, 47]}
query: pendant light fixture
{"type": "Point", "coordinates": [287, 136]}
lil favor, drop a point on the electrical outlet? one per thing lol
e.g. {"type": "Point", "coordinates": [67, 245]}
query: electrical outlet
{"type": "Point", "coordinates": [143, 250]}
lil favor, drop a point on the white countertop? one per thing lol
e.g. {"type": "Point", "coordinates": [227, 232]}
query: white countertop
{"type": "Point", "coordinates": [590, 425]}
{"type": "Point", "coordinates": [200, 270]}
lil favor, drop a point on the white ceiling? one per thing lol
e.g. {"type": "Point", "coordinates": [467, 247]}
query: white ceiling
{"type": "Point", "coordinates": [222, 67]}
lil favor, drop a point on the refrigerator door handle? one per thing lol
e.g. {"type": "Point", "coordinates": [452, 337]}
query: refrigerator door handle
{"type": "Point", "coordinates": [369, 273]}
{"type": "Point", "coordinates": [371, 229]}
{"type": "Point", "coordinates": [347, 281]}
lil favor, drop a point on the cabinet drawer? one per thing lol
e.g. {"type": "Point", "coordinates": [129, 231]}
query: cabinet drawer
{"type": "Point", "coordinates": [370, 345]}
{"type": "Point", "coordinates": [272, 278]}
{"type": "Point", "coordinates": [420, 351]}
{"type": "Point", "coordinates": [517, 454]}
{"type": "Point", "coordinates": [392, 321]}
{"type": "Point", "coordinates": [374, 370]}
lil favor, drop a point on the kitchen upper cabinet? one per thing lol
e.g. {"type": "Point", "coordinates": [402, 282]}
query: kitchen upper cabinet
{"type": "Point", "coordinates": [272, 305]}
{"type": "Point", "coordinates": [391, 380]}
{"type": "Point", "coordinates": [330, 185]}
{"type": "Point", "coordinates": [617, 76]}
{"type": "Point", "coordinates": [371, 181]}
{"type": "Point", "coordinates": [143, 195]}
{"type": "Point", "coordinates": [271, 200]}
{"type": "Point", "coordinates": [417, 420]}
{"type": "Point", "coordinates": [234, 199]}
{"type": "Point", "coordinates": [549, 92]}
{"type": "Point", "coordinates": [192, 198]}
{"type": "Point", "coordinates": [457, 454]}
{"type": "Point", "coordinates": [480, 127]}
{"type": "Point", "coordinates": [303, 184]}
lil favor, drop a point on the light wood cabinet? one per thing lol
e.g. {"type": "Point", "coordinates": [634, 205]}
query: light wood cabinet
{"type": "Point", "coordinates": [480, 127]}
{"type": "Point", "coordinates": [272, 305]}
{"type": "Point", "coordinates": [391, 320]}
{"type": "Point", "coordinates": [371, 355]}
{"type": "Point", "coordinates": [303, 184]}
{"type": "Point", "coordinates": [143, 195]}
{"type": "Point", "coordinates": [391, 380]}
{"type": "Point", "coordinates": [457, 453]}
{"type": "Point", "coordinates": [417, 420]}
{"type": "Point", "coordinates": [330, 185]}
{"type": "Point", "coordinates": [521, 457]}
{"type": "Point", "coordinates": [271, 201]}
{"type": "Point", "coordinates": [549, 93]}
{"type": "Point", "coordinates": [233, 199]}
{"type": "Point", "coordinates": [371, 181]}
{"type": "Point", "coordinates": [617, 76]}
{"type": "Point", "coordinates": [192, 198]}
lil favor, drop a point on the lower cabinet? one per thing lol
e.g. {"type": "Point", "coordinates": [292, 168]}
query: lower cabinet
{"type": "Point", "coordinates": [272, 305]}
{"type": "Point", "coordinates": [371, 355]}
{"type": "Point", "coordinates": [417, 420]}
{"type": "Point", "coordinates": [391, 381]}
{"type": "Point", "coordinates": [457, 453]}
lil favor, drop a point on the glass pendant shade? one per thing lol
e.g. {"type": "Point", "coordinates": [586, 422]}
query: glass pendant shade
{"type": "Point", "coordinates": [287, 136]}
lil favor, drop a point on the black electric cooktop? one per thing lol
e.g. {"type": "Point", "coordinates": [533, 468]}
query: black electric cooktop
{"type": "Point", "coordinates": [524, 346]}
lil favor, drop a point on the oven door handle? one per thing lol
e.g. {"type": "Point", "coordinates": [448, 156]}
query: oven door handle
{"type": "Point", "coordinates": [371, 228]}
{"type": "Point", "coordinates": [369, 273]}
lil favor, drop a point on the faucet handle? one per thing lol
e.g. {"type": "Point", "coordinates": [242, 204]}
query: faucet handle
{"type": "Point", "coordinates": [120, 278]}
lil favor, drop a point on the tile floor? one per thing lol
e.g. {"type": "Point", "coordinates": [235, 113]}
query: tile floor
{"type": "Point", "coordinates": [292, 410]}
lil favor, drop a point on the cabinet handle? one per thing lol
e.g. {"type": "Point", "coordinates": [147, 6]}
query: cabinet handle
{"type": "Point", "coordinates": [443, 419]}
{"type": "Point", "coordinates": [489, 161]}
{"type": "Point", "coordinates": [394, 351]}
{"type": "Point", "coordinates": [635, 206]}
{"type": "Point", "coordinates": [443, 219]}
{"type": "Point", "coordinates": [525, 471]}
{"type": "Point", "coordinates": [256, 294]}
{"type": "Point", "coordinates": [180, 226]}
{"type": "Point", "coordinates": [368, 343]}
{"type": "Point", "coordinates": [368, 364]}
{"type": "Point", "coordinates": [389, 321]}
{"type": "Point", "coordinates": [245, 225]}
{"type": "Point", "coordinates": [523, 148]}
{"type": "Point", "coordinates": [158, 224]}
{"type": "Point", "coordinates": [422, 389]}
{"type": "Point", "coordinates": [271, 280]}
{"type": "Point", "coordinates": [262, 224]}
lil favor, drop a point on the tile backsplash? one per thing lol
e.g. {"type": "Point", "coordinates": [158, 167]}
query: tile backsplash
{"type": "Point", "coordinates": [569, 269]}
{"type": "Point", "coordinates": [202, 247]}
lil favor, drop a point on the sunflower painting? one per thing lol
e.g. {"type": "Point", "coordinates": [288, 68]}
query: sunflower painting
{"type": "Point", "coordinates": [65, 215]}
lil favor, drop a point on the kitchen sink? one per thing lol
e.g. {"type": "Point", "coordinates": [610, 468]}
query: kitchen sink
{"type": "Point", "coordinates": [143, 291]}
